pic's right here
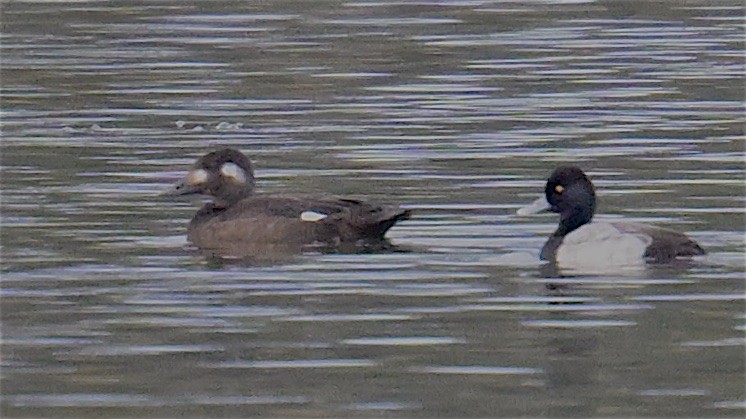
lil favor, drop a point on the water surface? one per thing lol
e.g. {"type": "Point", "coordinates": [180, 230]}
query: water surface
{"type": "Point", "coordinates": [457, 110]}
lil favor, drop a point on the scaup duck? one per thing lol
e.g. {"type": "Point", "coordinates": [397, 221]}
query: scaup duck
{"type": "Point", "coordinates": [238, 221]}
{"type": "Point", "coordinates": [577, 241]}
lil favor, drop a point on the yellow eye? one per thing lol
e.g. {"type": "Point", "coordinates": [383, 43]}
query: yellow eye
{"type": "Point", "coordinates": [559, 188]}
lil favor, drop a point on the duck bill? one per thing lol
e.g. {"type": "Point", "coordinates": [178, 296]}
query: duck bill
{"type": "Point", "coordinates": [536, 207]}
{"type": "Point", "coordinates": [183, 187]}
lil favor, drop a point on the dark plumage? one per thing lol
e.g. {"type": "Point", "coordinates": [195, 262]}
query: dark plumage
{"type": "Point", "coordinates": [238, 222]}
{"type": "Point", "coordinates": [570, 193]}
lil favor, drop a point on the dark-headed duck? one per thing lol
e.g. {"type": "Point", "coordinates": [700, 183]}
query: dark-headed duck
{"type": "Point", "coordinates": [577, 241]}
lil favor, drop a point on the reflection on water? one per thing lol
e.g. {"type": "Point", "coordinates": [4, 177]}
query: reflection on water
{"type": "Point", "coordinates": [456, 110]}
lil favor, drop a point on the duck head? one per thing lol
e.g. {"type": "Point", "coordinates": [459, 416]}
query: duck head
{"type": "Point", "coordinates": [569, 193]}
{"type": "Point", "coordinates": [226, 175]}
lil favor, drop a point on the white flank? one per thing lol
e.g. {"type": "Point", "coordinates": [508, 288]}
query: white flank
{"type": "Point", "coordinates": [601, 245]}
{"type": "Point", "coordinates": [233, 171]}
{"type": "Point", "coordinates": [195, 177]}
{"type": "Point", "coordinates": [312, 216]}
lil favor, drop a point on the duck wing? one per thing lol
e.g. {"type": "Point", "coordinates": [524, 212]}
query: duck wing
{"type": "Point", "coordinates": [666, 244]}
{"type": "Point", "coordinates": [289, 218]}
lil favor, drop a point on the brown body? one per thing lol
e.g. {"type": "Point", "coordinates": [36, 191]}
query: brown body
{"type": "Point", "coordinates": [268, 220]}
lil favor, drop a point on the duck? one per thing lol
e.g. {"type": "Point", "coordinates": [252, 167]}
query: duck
{"type": "Point", "coordinates": [238, 221]}
{"type": "Point", "coordinates": [578, 241]}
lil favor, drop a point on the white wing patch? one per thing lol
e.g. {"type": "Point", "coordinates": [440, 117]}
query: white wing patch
{"type": "Point", "coordinates": [233, 171]}
{"type": "Point", "coordinates": [601, 245]}
{"type": "Point", "coordinates": [312, 216]}
{"type": "Point", "coordinates": [196, 177]}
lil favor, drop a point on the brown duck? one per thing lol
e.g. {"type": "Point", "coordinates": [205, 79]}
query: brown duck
{"type": "Point", "coordinates": [239, 222]}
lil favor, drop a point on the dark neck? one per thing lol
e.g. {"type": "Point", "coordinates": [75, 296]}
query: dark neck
{"type": "Point", "coordinates": [568, 222]}
{"type": "Point", "coordinates": [573, 219]}
{"type": "Point", "coordinates": [228, 197]}
{"type": "Point", "coordinates": [208, 210]}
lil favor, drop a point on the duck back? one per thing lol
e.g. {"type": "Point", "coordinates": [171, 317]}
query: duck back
{"type": "Point", "coordinates": [291, 221]}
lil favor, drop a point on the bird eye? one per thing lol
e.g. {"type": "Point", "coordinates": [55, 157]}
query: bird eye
{"type": "Point", "coordinates": [559, 189]}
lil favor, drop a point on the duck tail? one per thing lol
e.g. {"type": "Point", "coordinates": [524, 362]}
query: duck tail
{"type": "Point", "coordinates": [379, 228]}
{"type": "Point", "coordinates": [691, 248]}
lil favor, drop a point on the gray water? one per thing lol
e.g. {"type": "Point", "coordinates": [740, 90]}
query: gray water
{"type": "Point", "coordinates": [458, 110]}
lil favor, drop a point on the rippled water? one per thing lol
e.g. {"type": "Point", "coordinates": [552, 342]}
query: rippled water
{"type": "Point", "coordinates": [458, 110]}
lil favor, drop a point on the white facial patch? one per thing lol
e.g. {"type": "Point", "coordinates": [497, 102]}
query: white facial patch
{"type": "Point", "coordinates": [233, 171]}
{"type": "Point", "coordinates": [196, 177]}
{"type": "Point", "coordinates": [312, 216]}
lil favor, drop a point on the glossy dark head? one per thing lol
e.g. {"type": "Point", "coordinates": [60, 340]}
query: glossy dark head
{"type": "Point", "coordinates": [570, 193]}
{"type": "Point", "coordinates": [226, 175]}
